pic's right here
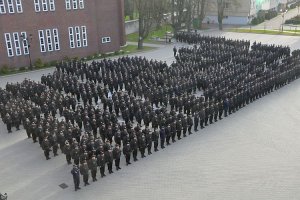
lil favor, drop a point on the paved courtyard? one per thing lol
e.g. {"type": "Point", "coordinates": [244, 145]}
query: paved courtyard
{"type": "Point", "coordinates": [252, 154]}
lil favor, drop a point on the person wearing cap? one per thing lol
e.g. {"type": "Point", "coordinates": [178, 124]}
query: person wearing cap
{"type": "Point", "coordinates": [84, 171]}
{"type": "Point", "coordinates": [76, 177]}
{"type": "Point", "coordinates": [93, 167]}
{"type": "Point", "coordinates": [127, 152]}
{"type": "Point", "coordinates": [68, 151]}
{"type": "Point", "coordinates": [117, 156]}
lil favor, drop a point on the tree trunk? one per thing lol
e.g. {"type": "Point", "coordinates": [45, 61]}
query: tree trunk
{"type": "Point", "coordinates": [220, 25]}
{"type": "Point", "coordinates": [140, 44]}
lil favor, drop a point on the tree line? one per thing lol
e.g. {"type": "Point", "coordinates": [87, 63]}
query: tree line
{"type": "Point", "coordinates": [178, 13]}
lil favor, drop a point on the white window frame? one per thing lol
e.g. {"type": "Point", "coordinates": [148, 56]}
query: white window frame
{"type": "Point", "coordinates": [42, 41]}
{"type": "Point", "coordinates": [44, 5]}
{"type": "Point", "coordinates": [51, 5]}
{"type": "Point", "coordinates": [25, 43]}
{"type": "Point", "coordinates": [49, 40]}
{"type": "Point", "coordinates": [17, 44]}
{"type": "Point", "coordinates": [19, 6]}
{"type": "Point", "coordinates": [75, 4]}
{"type": "Point", "coordinates": [68, 5]}
{"type": "Point", "coordinates": [2, 7]}
{"type": "Point", "coordinates": [106, 40]}
{"type": "Point", "coordinates": [9, 48]}
{"type": "Point", "coordinates": [56, 40]}
{"type": "Point", "coordinates": [78, 37]}
{"type": "Point", "coordinates": [84, 36]}
{"type": "Point", "coordinates": [71, 37]}
{"type": "Point", "coordinates": [10, 6]}
{"type": "Point", "coordinates": [81, 4]}
{"type": "Point", "coordinates": [37, 6]}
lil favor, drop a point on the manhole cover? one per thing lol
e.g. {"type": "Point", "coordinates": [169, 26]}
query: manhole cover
{"type": "Point", "coordinates": [63, 186]}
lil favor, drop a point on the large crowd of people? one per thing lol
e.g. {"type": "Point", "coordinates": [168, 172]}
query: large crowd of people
{"type": "Point", "coordinates": [96, 112]}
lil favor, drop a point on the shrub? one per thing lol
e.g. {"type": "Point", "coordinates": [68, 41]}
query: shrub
{"type": "Point", "coordinates": [38, 64]}
{"type": "Point", "coordinates": [53, 63]}
{"type": "Point", "coordinates": [4, 70]}
{"type": "Point", "coordinates": [22, 69]}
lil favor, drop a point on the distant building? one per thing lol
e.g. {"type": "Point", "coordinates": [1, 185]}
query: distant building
{"type": "Point", "coordinates": [236, 11]}
{"type": "Point", "coordinates": [242, 11]}
{"type": "Point", "coordinates": [54, 29]}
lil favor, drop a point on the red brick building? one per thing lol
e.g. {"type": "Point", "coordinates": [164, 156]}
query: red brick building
{"type": "Point", "coordinates": [55, 29]}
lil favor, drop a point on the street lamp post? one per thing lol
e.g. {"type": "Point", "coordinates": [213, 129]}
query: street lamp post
{"type": "Point", "coordinates": [28, 40]}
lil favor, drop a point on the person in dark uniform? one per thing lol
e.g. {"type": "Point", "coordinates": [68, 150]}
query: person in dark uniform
{"type": "Point", "coordinates": [117, 156]}
{"type": "Point", "coordinates": [67, 151]}
{"type": "Point", "coordinates": [46, 148]}
{"type": "Point", "coordinates": [101, 163]}
{"type": "Point", "coordinates": [155, 138]}
{"type": "Point", "coordinates": [127, 152]}
{"type": "Point", "coordinates": [196, 121]}
{"type": "Point", "coordinates": [84, 171]}
{"type": "Point", "coordinates": [93, 167]}
{"type": "Point", "coordinates": [8, 122]}
{"type": "Point", "coordinates": [162, 135]}
{"type": "Point", "coordinates": [76, 177]}
{"type": "Point", "coordinates": [134, 147]}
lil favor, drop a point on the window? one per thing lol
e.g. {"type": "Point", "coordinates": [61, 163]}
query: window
{"type": "Point", "coordinates": [25, 43]}
{"type": "Point", "coordinates": [44, 5]}
{"type": "Point", "coordinates": [106, 40]}
{"type": "Point", "coordinates": [84, 36]}
{"type": "Point", "coordinates": [81, 4]}
{"type": "Point", "coordinates": [37, 6]}
{"type": "Point", "coordinates": [78, 38]}
{"type": "Point", "coordinates": [10, 6]}
{"type": "Point", "coordinates": [42, 41]}
{"type": "Point", "coordinates": [19, 6]}
{"type": "Point", "coordinates": [75, 4]}
{"type": "Point", "coordinates": [2, 7]}
{"type": "Point", "coordinates": [51, 5]}
{"type": "Point", "coordinates": [68, 4]}
{"type": "Point", "coordinates": [71, 37]}
{"type": "Point", "coordinates": [49, 40]}
{"type": "Point", "coordinates": [17, 44]}
{"type": "Point", "coordinates": [9, 47]}
{"type": "Point", "coordinates": [56, 39]}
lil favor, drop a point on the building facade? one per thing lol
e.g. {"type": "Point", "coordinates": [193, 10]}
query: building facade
{"type": "Point", "coordinates": [241, 11]}
{"type": "Point", "coordinates": [235, 12]}
{"type": "Point", "coordinates": [55, 29]}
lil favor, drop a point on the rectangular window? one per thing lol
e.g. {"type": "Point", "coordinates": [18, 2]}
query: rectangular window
{"type": "Point", "coordinates": [56, 39]}
{"type": "Point", "coordinates": [37, 6]}
{"type": "Point", "coordinates": [71, 37]}
{"type": "Point", "coordinates": [49, 40]}
{"type": "Point", "coordinates": [78, 38]}
{"type": "Point", "coordinates": [25, 43]}
{"type": "Point", "coordinates": [17, 44]}
{"type": "Point", "coordinates": [19, 6]}
{"type": "Point", "coordinates": [9, 48]}
{"type": "Point", "coordinates": [68, 4]}
{"type": "Point", "coordinates": [81, 4]}
{"type": "Point", "coordinates": [10, 6]}
{"type": "Point", "coordinates": [2, 7]}
{"type": "Point", "coordinates": [84, 36]}
{"type": "Point", "coordinates": [42, 41]}
{"type": "Point", "coordinates": [44, 5]}
{"type": "Point", "coordinates": [106, 40]}
{"type": "Point", "coordinates": [51, 5]}
{"type": "Point", "coordinates": [75, 4]}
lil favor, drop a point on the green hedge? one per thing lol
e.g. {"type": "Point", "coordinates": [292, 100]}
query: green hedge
{"type": "Point", "coordinates": [295, 20]}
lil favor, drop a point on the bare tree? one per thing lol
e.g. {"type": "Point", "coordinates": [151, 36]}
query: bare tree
{"type": "Point", "coordinates": [201, 7]}
{"type": "Point", "coordinates": [145, 11]}
{"type": "Point", "coordinates": [129, 8]}
{"type": "Point", "coordinates": [177, 14]}
{"type": "Point", "coordinates": [221, 8]}
{"type": "Point", "coordinates": [160, 7]}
